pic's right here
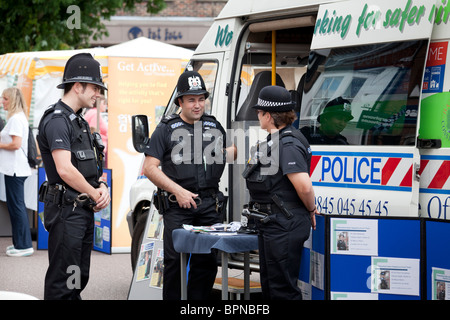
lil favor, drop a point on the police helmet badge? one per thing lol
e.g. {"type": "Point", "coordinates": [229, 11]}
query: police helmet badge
{"type": "Point", "coordinates": [194, 83]}
{"type": "Point", "coordinates": [190, 83]}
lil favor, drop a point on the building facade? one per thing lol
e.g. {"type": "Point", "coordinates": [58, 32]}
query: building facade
{"type": "Point", "coordinates": [182, 23]}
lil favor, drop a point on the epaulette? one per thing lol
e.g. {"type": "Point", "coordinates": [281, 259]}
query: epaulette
{"type": "Point", "coordinates": [297, 135]}
{"type": "Point", "coordinates": [173, 121]}
{"type": "Point", "coordinates": [166, 119]}
{"type": "Point", "coordinates": [209, 121]}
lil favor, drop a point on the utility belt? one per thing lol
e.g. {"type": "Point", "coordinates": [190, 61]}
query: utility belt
{"type": "Point", "coordinates": [163, 199]}
{"type": "Point", "coordinates": [262, 211]}
{"type": "Point", "coordinates": [61, 195]}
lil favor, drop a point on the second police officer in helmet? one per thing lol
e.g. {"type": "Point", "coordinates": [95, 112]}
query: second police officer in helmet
{"type": "Point", "coordinates": [72, 159]}
{"type": "Point", "coordinates": [277, 177]}
{"type": "Point", "coordinates": [191, 148]}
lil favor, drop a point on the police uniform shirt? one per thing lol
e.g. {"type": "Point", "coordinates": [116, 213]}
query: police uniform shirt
{"type": "Point", "coordinates": [57, 133]}
{"type": "Point", "coordinates": [293, 155]}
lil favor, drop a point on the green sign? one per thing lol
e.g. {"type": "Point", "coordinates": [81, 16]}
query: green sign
{"type": "Point", "coordinates": [435, 118]}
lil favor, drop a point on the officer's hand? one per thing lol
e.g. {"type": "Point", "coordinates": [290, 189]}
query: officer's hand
{"type": "Point", "coordinates": [313, 218]}
{"type": "Point", "coordinates": [104, 199]}
{"type": "Point", "coordinates": [186, 198]}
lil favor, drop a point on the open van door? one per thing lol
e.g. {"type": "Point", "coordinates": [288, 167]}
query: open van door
{"type": "Point", "coordinates": [372, 54]}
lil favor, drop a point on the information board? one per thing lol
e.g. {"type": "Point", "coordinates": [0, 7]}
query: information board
{"type": "Point", "coordinates": [311, 277]}
{"type": "Point", "coordinates": [147, 279]}
{"type": "Point", "coordinates": [438, 259]}
{"type": "Point", "coordinates": [375, 258]}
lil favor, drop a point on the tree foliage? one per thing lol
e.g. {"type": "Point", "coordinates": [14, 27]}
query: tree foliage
{"type": "Point", "coordinates": [38, 25]}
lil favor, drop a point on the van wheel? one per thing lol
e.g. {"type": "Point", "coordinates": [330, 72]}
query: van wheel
{"type": "Point", "coordinates": [138, 235]}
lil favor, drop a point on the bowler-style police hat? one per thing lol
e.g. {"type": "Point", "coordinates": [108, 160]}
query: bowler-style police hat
{"type": "Point", "coordinates": [274, 99]}
{"type": "Point", "coordinates": [190, 83]}
{"type": "Point", "coordinates": [338, 106]}
{"type": "Point", "coordinates": [82, 67]}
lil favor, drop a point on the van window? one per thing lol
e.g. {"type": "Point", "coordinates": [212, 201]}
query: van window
{"type": "Point", "coordinates": [363, 95]}
{"type": "Point", "coordinates": [208, 71]}
{"type": "Point", "coordinates": [256, 66]}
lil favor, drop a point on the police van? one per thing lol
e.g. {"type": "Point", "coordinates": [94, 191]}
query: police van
{"type": "Point", "coordinates": [386, 58]}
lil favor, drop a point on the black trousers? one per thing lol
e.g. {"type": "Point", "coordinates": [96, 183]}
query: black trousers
{"type": "Point", "coordinates": [202, 267]}
{"type": "Point", "coordinates": [70, 243]}
{"type": "Point", "coordinates": [280, 246]}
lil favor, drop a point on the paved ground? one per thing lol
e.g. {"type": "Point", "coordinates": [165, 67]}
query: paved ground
{"type": "Point", "coordinates": [110, 278]}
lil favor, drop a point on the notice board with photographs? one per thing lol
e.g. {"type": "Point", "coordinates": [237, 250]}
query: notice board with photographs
{"type": "Point", "coordinates": [148, 278]}
{"type": "Point", "coordinates": [438, 259]}
{"type": "Point", "coordinates": [375, 258]}
{"type": "Point", "coordinates": [311, 279]}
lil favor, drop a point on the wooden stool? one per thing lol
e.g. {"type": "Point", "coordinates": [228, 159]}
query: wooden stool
{"type": "Point", "coordinates": [236, 287]}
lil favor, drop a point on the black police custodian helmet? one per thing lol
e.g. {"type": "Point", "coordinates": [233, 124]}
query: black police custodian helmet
{"type": "Point", "coordinates": [82, 67]}
{"type": "Point", "coordinates": [274, 99]}
{"type": "Point", "coordinates": [190, 83]}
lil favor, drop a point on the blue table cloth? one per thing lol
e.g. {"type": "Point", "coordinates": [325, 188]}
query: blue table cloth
{"type": "Point", "coordinates": [193, 242]}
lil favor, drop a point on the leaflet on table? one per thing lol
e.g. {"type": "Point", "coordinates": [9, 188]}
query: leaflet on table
{"type": "Point", "coordinates": [218, 228]}
{"type": "Point", "coordinates": [440, 284]}
{"type": "Point", "coordinates": [395, 276]}
{"type": "Point", "coordinates": [354, 236]}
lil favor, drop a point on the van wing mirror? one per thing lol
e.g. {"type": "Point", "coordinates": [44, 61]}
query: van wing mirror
{"type": "Point", "coordinates": [139, 128]}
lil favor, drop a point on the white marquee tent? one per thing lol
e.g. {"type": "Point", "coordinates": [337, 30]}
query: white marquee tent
{"type": "Point", "coordinates": [43, 70]}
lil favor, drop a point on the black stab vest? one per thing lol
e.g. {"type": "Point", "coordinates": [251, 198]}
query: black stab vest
{"type": "Point", "coordinates": [193, 162]}
{"type": "Point", "coordinates": [263, 186]}
{"type": "Point", "coordinates": [85, 156]}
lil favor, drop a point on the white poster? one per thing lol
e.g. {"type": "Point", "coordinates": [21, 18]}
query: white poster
{"type": "Point", "coordinates": [354, 236]}
{"type": "Point", "coordinates": [395, 276]}
{"type": "Point", "coordinates": [440, 284]}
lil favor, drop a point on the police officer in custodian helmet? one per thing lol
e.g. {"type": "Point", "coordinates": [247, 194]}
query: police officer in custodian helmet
{"type": "Point", "coordinates": [188, 181]}
{"type": "Point", "coordinates": [73, 163]}
{"type": "Point", "coordinates": [277, 177]}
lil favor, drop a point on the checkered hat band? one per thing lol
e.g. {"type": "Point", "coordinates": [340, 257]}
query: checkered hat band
{"type": "Point", "coordinates": [265, 103]}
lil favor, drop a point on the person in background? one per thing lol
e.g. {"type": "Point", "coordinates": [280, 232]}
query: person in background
{"type": "Point", "coordinates": [334, 118]}
{"type": "Point", "coordinates": [14, 165]}
{"type": "Point", "coordinates": [97, 123]}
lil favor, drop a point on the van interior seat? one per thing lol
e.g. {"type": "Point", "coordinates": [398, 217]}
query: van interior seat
{"type": "Point", "coordinates": [262, 79]}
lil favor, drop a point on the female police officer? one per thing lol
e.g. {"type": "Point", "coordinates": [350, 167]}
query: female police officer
{"type": "Point", "coordinates": [72, 163]}
{"type": "Point", "coordinates": [189, 172]}
{"type": "Point", "coordinates": [278, 181]}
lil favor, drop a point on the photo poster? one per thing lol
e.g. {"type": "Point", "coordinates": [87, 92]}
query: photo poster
{"type": "Point", "coordinates": [148, 277]}
{"type": "Point", "coordinates": [395, 276]}
{"type": "Point", "coordinates": [102, 219]}
{"type": "Point", "coordinates": [375, 258]}
{"type": "Point", "coordinates": [311, 279]}
{"type": "Point", "coordinates": [438, 259]}
{"type": "Point", "coordinates": [440, 284]}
